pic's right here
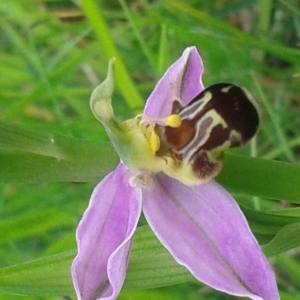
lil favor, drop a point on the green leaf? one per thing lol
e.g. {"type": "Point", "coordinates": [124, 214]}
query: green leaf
{"type": "Point", "coordinates": [48, 276]}
{"type": "Point", "coordinates": [150, 266]}
{"type": "Point", "coordinates": [287, 238]}
{"type": "Point", "coordinates": [260, 177]}
{"type": "Point", "coordinates": [26, 156]}
{"type": "Point", "coordinates": [278, 230]}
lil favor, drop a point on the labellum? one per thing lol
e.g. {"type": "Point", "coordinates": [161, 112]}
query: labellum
{"type": "Point", "coordinates": [222, 116]}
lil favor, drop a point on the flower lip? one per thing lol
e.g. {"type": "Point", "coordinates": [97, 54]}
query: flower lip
{"type": "Point", "coordinates": [222, 116]}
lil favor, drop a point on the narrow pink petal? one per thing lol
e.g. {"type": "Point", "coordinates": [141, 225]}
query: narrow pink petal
{"type": "Point", "coordinates": [104, 237]}
{"type": "Point", "coordinates": [182, 81]}
{"type": "Point", "coordinates": [204, 229]}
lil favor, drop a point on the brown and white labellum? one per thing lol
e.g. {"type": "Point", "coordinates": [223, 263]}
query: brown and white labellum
{"type": "Point", "coordinates": [222, 116]}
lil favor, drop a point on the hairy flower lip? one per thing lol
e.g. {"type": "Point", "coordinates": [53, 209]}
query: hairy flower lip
{"type": "Point", "coordinates": [201, 226]}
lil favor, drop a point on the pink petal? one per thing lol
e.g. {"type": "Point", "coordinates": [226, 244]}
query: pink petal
{"type": "Point", "coordinates": [182, 81]}
{"type": "Point", "coordinates": [104, 237]}
{"type": "Point", "coordinates": [204, 229]}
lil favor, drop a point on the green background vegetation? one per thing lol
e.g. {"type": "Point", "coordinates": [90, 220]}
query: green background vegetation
{"type": "Point", "coordinates": [53, 151]}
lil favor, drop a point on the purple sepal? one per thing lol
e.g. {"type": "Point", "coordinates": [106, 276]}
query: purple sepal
{"type": "Point", "coordinates": [182, 82]}
{"type": "Point", "coordinates": [104, 237]}
{"type": "Point", "coordinates": [204, 230]}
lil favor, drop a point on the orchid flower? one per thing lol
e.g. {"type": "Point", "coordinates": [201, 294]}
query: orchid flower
{"type": "Point", "coordinates": [169, 156]}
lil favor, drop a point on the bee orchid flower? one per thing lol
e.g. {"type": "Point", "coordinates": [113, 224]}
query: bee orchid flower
{"type": "Point", "coordinates": [169, 156]}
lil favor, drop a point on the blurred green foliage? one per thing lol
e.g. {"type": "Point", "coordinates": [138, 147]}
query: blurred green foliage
{"type": "Point", "coordinates": [54, 52]}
